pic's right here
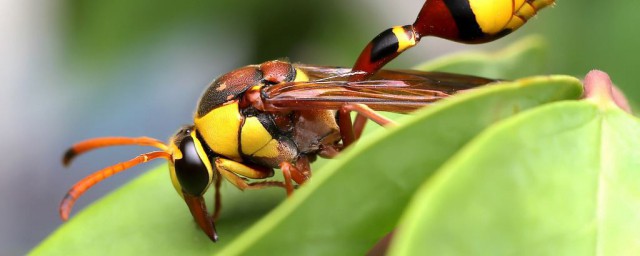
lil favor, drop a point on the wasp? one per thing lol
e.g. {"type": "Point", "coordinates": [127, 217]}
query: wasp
{"type": "Point", "coordinates": [279, 115]}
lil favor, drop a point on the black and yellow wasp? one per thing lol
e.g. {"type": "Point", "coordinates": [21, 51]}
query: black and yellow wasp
{"type": "Point", "coordinates": [282, 115]}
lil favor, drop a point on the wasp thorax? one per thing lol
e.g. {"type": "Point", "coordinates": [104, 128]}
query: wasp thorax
{"type": "Point", "coordinates": [228, 87]}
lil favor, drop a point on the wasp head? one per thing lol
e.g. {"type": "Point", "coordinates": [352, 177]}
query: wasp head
{"type": "Point", "coordinates": [190, 169]}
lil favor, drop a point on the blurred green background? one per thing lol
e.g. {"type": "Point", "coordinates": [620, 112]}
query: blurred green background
{"type": "Point", "coordinates": [76, 69]}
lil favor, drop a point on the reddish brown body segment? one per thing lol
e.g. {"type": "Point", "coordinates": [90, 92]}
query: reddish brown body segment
{"type": "Point", "coordinates": [455, 20]}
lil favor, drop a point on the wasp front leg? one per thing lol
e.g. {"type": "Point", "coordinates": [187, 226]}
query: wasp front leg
{"type": "Point", "coordinates": [231, 171]}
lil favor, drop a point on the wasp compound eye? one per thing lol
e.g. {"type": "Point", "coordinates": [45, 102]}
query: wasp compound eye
{"type": "Point", "coordinates": [191, 170]}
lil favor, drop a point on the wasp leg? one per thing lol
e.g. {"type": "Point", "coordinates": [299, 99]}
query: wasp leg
{"type": "Point", "coordinates": [358, 125]}
{"type": "Point", "coordinates": [231, 170]}
{"type": "Point", "coordinates": [286, 173]}
{"type": "Point", "coordinates": [304, 166]}
{"type": "Point", "coordinates": [350, 132]}
{"type": "Point", "coordinates": [346, 127]}
{"type": "Point", "coordinates": [364, 113]}
{"type": "Point", "coordinates": [300, 173]}
{"type": "Point", "coordinates": [369, 113]}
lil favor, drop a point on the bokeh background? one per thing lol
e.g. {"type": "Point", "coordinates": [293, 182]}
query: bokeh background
{"type": "Point", "coordinates": [76, 69]}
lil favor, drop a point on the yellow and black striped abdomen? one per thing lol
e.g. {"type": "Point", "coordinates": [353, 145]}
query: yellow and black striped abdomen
{"type": "Point", "coordinates": [466, 21]}
{"type": "Point", "coordinates": [477, 21]}
{"type": "Point", "coordinates": [504, 16]}
{"type": "Point", "coordinates": [486, 20]}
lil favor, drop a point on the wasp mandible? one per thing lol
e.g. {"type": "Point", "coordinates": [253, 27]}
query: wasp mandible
{"type": "Point", "coordinates": [279, 115]}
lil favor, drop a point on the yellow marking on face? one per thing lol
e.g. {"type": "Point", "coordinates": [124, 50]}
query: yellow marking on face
{"type": "Point", "coordinates": [493, 17]}
{"type": "Point", "coordinates": [301, 76]}
{"type": "Point", "coordinates": [219, 129]}
{"type": "Point", "coordinates": [202, 154]}
{"type": "Point", "coordinates": [175, 154]}
{"type": "Point", "coordinates": [254, 136]}
{"type": "Point", "coordinates": [174, 179]}
{"type": "Point", "coordinates": [404, 41]}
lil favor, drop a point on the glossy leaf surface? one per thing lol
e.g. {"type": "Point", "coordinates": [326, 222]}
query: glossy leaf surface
{"type": "Point", "coordinates": [561, 179]}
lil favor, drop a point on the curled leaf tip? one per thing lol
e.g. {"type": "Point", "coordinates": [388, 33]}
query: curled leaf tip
{"type": "Point", "coordinates": [599, 88]}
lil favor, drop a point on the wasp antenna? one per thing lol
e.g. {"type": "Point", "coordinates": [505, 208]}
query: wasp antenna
{"type": "Point", "coordinates": [91, 144]}
{"type": "Point", "coordinates": [85, 184]}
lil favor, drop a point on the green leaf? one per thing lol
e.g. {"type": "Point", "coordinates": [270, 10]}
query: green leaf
{"type": "Point", "coordinates": [147, 216]}
{"type": "Point", "coordinates": [526, 57]}
{"type": "Point", "coordinates": [353, 202]}
{"type": "Point", "coordinates": [560, 179]}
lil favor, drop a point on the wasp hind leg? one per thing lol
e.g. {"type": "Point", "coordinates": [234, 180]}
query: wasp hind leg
{"type": "Point", "coordinates": [350, 132]}
{"type": "Point", "coordinates": [346, 127]}
{"type": "Point", "coordinates": [367, 113]}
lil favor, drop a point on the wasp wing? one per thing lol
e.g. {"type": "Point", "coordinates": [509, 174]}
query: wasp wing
{"type": "Point", "coordinates": [320, 73]}
{"type": "Point", "coordinates": [394, 91]}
